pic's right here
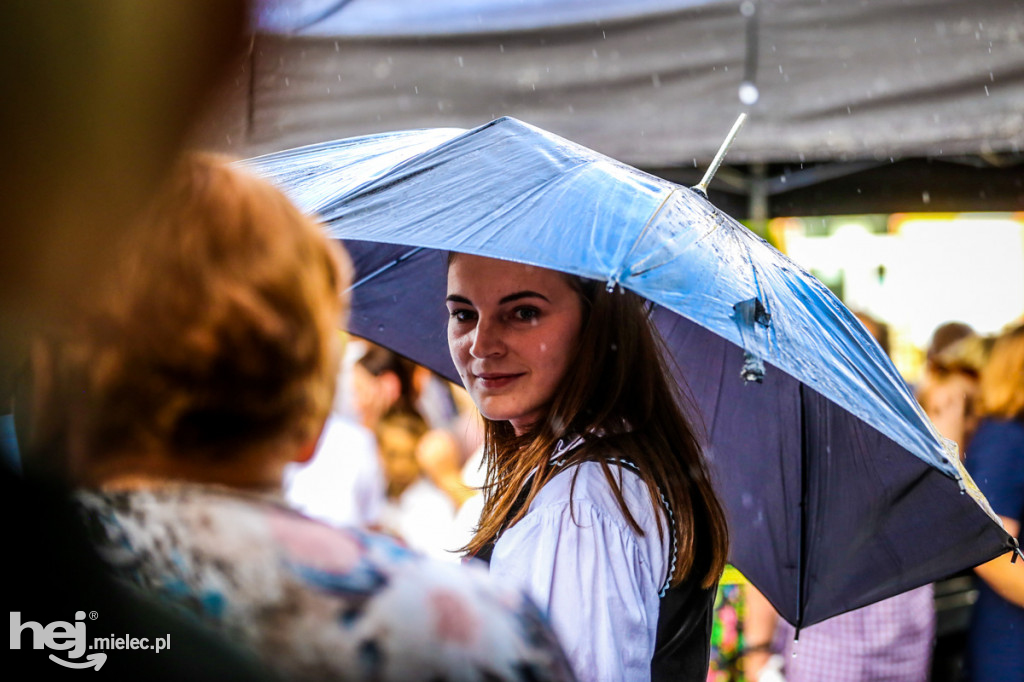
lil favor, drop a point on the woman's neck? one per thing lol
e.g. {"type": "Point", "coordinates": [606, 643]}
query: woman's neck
{"type": "Point", "coordinates": [125, 472]}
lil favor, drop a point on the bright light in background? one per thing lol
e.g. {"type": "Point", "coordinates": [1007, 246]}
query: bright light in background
{"type": "Point", "coordinates": [970, 268]}
{"type": "Point", "coordinates": [921, 271]}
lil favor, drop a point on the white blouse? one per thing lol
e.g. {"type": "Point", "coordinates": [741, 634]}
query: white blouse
{"type": "Point", "coordinates": [596, 577]}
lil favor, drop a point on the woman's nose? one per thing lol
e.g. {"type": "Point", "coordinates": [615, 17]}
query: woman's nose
{"type": "Point", "coordinates": [487, 341]}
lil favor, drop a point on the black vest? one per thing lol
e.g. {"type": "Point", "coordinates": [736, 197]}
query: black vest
{"type": "Point", "coordinates": [683, 644]}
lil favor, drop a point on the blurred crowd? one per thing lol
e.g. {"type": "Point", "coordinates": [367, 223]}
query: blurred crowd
{"type": "Point", "coordinates": [401, 453]}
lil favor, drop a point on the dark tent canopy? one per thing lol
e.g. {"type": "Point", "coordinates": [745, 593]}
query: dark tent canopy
{"type": "Point", "coordinates": [881, 105]}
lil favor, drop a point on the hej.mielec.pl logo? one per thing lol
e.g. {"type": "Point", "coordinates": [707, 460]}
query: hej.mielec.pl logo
{"type": "Point", "coordinates": [71, 638]}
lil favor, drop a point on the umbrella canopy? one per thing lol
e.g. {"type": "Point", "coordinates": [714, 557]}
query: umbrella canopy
{"type": "Point", "coordinates": [838, 490]}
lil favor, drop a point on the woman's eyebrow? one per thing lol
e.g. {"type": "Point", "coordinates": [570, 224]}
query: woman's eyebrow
{"type": "Point", "coordinates": [522, 294]}
{"type": "Point", "coordinates": [455, 298]}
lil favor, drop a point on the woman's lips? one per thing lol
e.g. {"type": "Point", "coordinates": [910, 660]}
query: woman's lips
{"type": "Point", "coordinates": [495, 380]}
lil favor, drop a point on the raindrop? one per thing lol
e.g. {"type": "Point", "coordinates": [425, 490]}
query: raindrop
{"type": "Point", "coordinates": [594, 53]}
{"type": "Point", "coordinates": [380, 327]}
{"type": "Point", "coordinates": [229, 138]}
{"type": "Point", "coordinates": [416, 89]}
{"type": "Point", "coordinates": [749, 93]}
{"type": "Point", "coordinates": [534, 86]}
{"type": "Point", "coordinates": [848, 110]}
{"type": "Point", "coordinates": [926, 197]}
{"type": "Point", "coordinates": [747, 8]}
{"type": "Point", "coordinates": [986, 91]}
{"type": "Point", "coordinates": [614, 347]}
{"type": "Point", "coordinates": [501, 48]}
{"type": "Point", "coordinates": [461, 64]}
{"type": "Point", "coordinates": [782, 179]}
{"type": "Point", "coordinates": [655, 80]}
{"type": "Point", "coordinates": [287, 83]}
{"type": "Point", "coordinates": [336, 47]}
{"type": "Point", "coordinates": [604, 36]}
{"type": "Point", "coordinates": [991, 76]}
{"type": "Point", "coordinates": [695, 163]}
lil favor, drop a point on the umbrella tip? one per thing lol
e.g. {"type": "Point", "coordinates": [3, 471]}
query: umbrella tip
{"type": "Point", "coordinates": [702, 186]}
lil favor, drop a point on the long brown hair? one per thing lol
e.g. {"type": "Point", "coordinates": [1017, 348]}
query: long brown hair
{"type": "Point", "coordinates": [619, 386]}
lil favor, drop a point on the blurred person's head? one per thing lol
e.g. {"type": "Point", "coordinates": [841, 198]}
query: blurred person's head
{"type": "Point", "coordinates": [948, 390]}
{"type": "Point", "coordinates": [944, 336]}
{"type": "Point", "coordinates": [209, 351]}
{"type": "Point", "coordinates": [397, 437]}
{"type": "Point", "coordinates": [384, 384]}
{"type": "Point", "coordinates": [1002, 377]}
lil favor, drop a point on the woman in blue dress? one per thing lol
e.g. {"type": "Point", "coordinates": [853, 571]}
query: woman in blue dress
{"type": "Point", "coordinates": [995, 459]}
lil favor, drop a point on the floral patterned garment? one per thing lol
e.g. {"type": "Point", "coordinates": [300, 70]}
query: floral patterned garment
{"type": "Point", "coordinates": [316, 602]}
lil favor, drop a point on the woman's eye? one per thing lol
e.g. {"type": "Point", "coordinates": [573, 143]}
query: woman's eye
{"type": "Point", "coordinates": [461, 315]}
{"type": "Point", "coordinates": [526, 313]}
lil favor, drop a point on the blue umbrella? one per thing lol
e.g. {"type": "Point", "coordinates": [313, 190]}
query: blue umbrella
{"type": "Point", "coordinates": [838, 489]}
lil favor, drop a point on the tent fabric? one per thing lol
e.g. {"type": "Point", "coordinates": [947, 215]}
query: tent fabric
{"type": "Point", "coordinates": [654, 88]}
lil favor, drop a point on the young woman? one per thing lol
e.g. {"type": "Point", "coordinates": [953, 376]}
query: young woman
{"type": "Point", "coordinates": [599, 503]}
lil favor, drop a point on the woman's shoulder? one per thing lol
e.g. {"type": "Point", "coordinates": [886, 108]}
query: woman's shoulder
{"type": "Point", "coordinates": [1013, 428]}
{"type": "Point", "coordinates": [587, 486]}
{"type": "Point", "coordinates": [280, 581]}
{"type": "Point", "coordinates": [1000, 434]}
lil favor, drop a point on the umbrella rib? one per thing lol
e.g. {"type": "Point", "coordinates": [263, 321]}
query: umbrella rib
{"type": "Point", "coordinates": [615, 276]}
{"type": "Point", "coordinates": [384, 268]}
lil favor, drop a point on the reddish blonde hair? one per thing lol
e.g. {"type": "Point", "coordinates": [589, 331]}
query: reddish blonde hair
{"type": "Point", "coordinates": [217, 330]}
{"type": "Point", "coordinates": [1002, 377]}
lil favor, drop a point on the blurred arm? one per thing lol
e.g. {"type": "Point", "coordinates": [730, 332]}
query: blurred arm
{"type": "Point", "coordinates": [1007, 579]}
{"type": "Point", "coordinates": [759, 629]}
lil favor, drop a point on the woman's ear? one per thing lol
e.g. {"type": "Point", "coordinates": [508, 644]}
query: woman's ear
{"type": "Point", "coordinates": [307, 448]}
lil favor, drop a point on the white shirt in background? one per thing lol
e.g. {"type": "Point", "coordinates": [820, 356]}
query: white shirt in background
{"type": "Point", "coordinates": [423, 517]}
{"type": "Point", "coordinates": [343, 483]}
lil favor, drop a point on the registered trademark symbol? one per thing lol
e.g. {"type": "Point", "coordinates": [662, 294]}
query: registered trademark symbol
{"type": "Point", "coordinates": [93, 615]}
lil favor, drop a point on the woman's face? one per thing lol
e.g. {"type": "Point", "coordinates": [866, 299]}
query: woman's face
{"type": "Point", "coordinates": [512, 329]}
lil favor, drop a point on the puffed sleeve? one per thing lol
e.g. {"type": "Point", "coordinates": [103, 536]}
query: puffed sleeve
{"type": "Point", "coordinates": [592, 574]}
